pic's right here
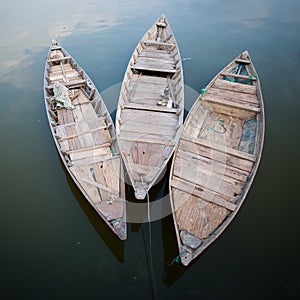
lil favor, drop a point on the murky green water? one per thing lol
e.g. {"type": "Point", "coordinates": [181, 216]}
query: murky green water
{"type": "Point", "coordinates": [53, 245]}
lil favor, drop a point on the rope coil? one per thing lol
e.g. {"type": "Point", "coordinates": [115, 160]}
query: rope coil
{"type": "Point", "coordinates": [221, 123]}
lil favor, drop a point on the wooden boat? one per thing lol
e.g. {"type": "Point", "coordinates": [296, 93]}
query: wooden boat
{"type": "Point", "coordinates": [85, 137]}
{"type": "Point", "coordinates": [217, 156]}
{"type": "Point", "coordinates": [150, 108]}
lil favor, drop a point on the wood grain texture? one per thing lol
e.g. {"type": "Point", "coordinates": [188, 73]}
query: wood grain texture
{"type": "Point", "coordinates": [212, 168]}
{"type": "Point", "coordinates": [85, 139]}
{"type": "Point", "coordinates": [148, 129]}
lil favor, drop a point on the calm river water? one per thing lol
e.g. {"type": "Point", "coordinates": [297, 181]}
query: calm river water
{"type": "Point", "coordinates": [53, 245]}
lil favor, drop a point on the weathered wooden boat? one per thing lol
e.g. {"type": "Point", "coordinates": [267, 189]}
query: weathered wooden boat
{"type": "Point", "coordinates": [151, 106]}
{"type": "Point", "coordinates": [85, 137]}
{"type": "Point", "coordinates": [217, 156]}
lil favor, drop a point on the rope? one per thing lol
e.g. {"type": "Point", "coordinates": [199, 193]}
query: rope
{"type": "Point", "coordinates": [150, 262]}
{"type": "Point", "coordinates": [112, 150]}
{"type": "Point", "coordinates": [221, 123]}
{"type": "Point", "coordinates": [175, 260]}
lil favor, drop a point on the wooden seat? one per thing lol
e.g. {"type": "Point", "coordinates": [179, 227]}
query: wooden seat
{"type": "Point", "coordinates": [228, 102]}
{"type": "Point", "coordinates": [222, 148]}
{"type": "Point", "coordinates": [242, 61]}
{"type": "Point", "coordinates": [153, 68]}
{"type": "Point", "coordinates": [70, 84]}
{"type": "Point", "coordinates": [223, 103]}
{"type": "Point", "coordinates": [201, 192]}
{"type": "Point", "coordinates": [59, 59]}
{"type": "Point", "coordinates": [156, 43]}
{"type": "Point", "coordinates": [238, 76]}
{"type": "Point", "coordinates": [72, 136]}
{"type": "Point", "coordinates": [86, 152]}
{"type": "Point", "coordinates": [151, 108]}
{"type": "Point", "coordinates": [225, 155]}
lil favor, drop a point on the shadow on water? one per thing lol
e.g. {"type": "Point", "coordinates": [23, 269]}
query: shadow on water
{"type": "Point", "coordinates": [115, 245]}
{"type": "Point", "coordinates": [137, 210]}
{"type": "Point", "coordinates": [172, 269]}
{"type": "Point", "coordinates": [170, 272]}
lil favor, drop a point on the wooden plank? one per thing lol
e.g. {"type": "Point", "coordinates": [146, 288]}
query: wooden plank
{"type": "Point", "coordinates": [243, 61]}
{"type": "Point", "coordinates": [193, 127]}
{"type": "Point", "coordinates": [100, 119]}
{"type": "Point", "coordinates": [230, 102]}
{"type": "Point", "coordinates": [222, 129]}
{"type": "Point", "coordinates": [152, 154]}
{"type": "Point", "coordinates": [212, 165]}
{"type": "Point", "coordinates": [84, 140]}
{"type": "Point", "coordinates": [195, 120]}
{"type": "Point", "coordinates": [196, 216]}
{"type": "Point", "coordinates": [229, 110]}
{"type": "Point", "coordinates": [233, 95]}
{"type": "Point", "coordinates": [95, 127]}
{"type": "Point", "coordinates": [81, 172]}
{"type": "Point", "coordinates": [86, 149]}
{"type": "Point", "coordinates": [149, 128]}
{"type": "Point", "coordinates": [111, 173]}
{"type": "Point", "coordinates": [154, 54]}
{"type": "Point", "coordinates": [155, 80]}
{"type": "Point", "coordinates": [66, 116]}
{"type": "Point", "coordinates": [150, 61]}
{"type": "Point", "coordinates": [215, 182]}
{"type": "Point", "coordinates": [201, 192]}
{"type": "Point", "coordinates": [64, 145]}
{"type": "Point", "coordinates": [237, 76]}
{"type": "Point", "coordinates": [100, 186]}
{"type": "Point", "coordinates": [57, 69]}
{"type": "Point", "coordinates": [234, 86]}
{"type": "Point", "coordinates": [148, 173]}
{"type": "Point", "coordinates": [87, 112]}
{"type": "Point", "coordinates": [223, 157]}
{"type": "Point", "coordinates": [153, 68]}
{"type": "Point", "coordinates": [70, 84]}
{"type": "Point", "coordinates": [146, 87]}
{"type": "Point", "coordinates": [147, 140]}
{"type": "Point", "coordinates": [149, 117]}
{"type": "Point", "coordinates": [146, 137]}
{"type": "Point", "coordinates": [146, 97]}
{"type": "Point", "coordinates": [91, 160]}
{"type": "Point", "coordinates": [155, 43]}
{"type": "Point", "coordinates": [89, 152]}
{"type": "Point", "coordinates": [59, 59]}
{"type": "Point", "coordinates": [81, 133]}
{"type": "Point", "coordinates": [113, 209]}
{"type": "Point", "coordinates": [144, 153]}
{"type": "Point", "coordinates": [149, 101]}
{"type": "Point", "coordinates": [150, 108]}
{"type": "Point", "coordinates": [66, 75]}
{"type": "Point", "coordinates": [223, 148]}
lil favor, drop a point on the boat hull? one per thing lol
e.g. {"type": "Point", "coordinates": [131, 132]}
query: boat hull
{"type": "Point", "coordinates": [85, 138]}
{"type": "Point", "coordinates": [217, 157]}
{"type": "Point", "coordinates": [151, 106]}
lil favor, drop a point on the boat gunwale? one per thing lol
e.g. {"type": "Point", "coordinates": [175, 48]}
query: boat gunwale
{"type": "Point", "coordinates": [258, 150]}
{"type": "Point", "coordinates": [125, 81]}
{"type": "Point", "coordinates": [103, 107]}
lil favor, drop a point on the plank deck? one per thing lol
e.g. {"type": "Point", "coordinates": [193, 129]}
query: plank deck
{"type": "Point", "coordinates": [235, 87]}
{"type": "Point", "coordinates": [147, 130]}
{"type": "Point", "coordinates": [154, 68]}
{"type": "Point", "coordinates": [85, 140]}
{"type": "Point", "coordinates": [144, 107]}
{"type": "Point", "coordinates": [212, 168]}
{"type": "Point", "coordinates": [202, 193]}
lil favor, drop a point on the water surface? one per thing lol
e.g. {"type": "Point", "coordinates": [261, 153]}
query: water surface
{"type": "Point", "coordinates": [53, 245]}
